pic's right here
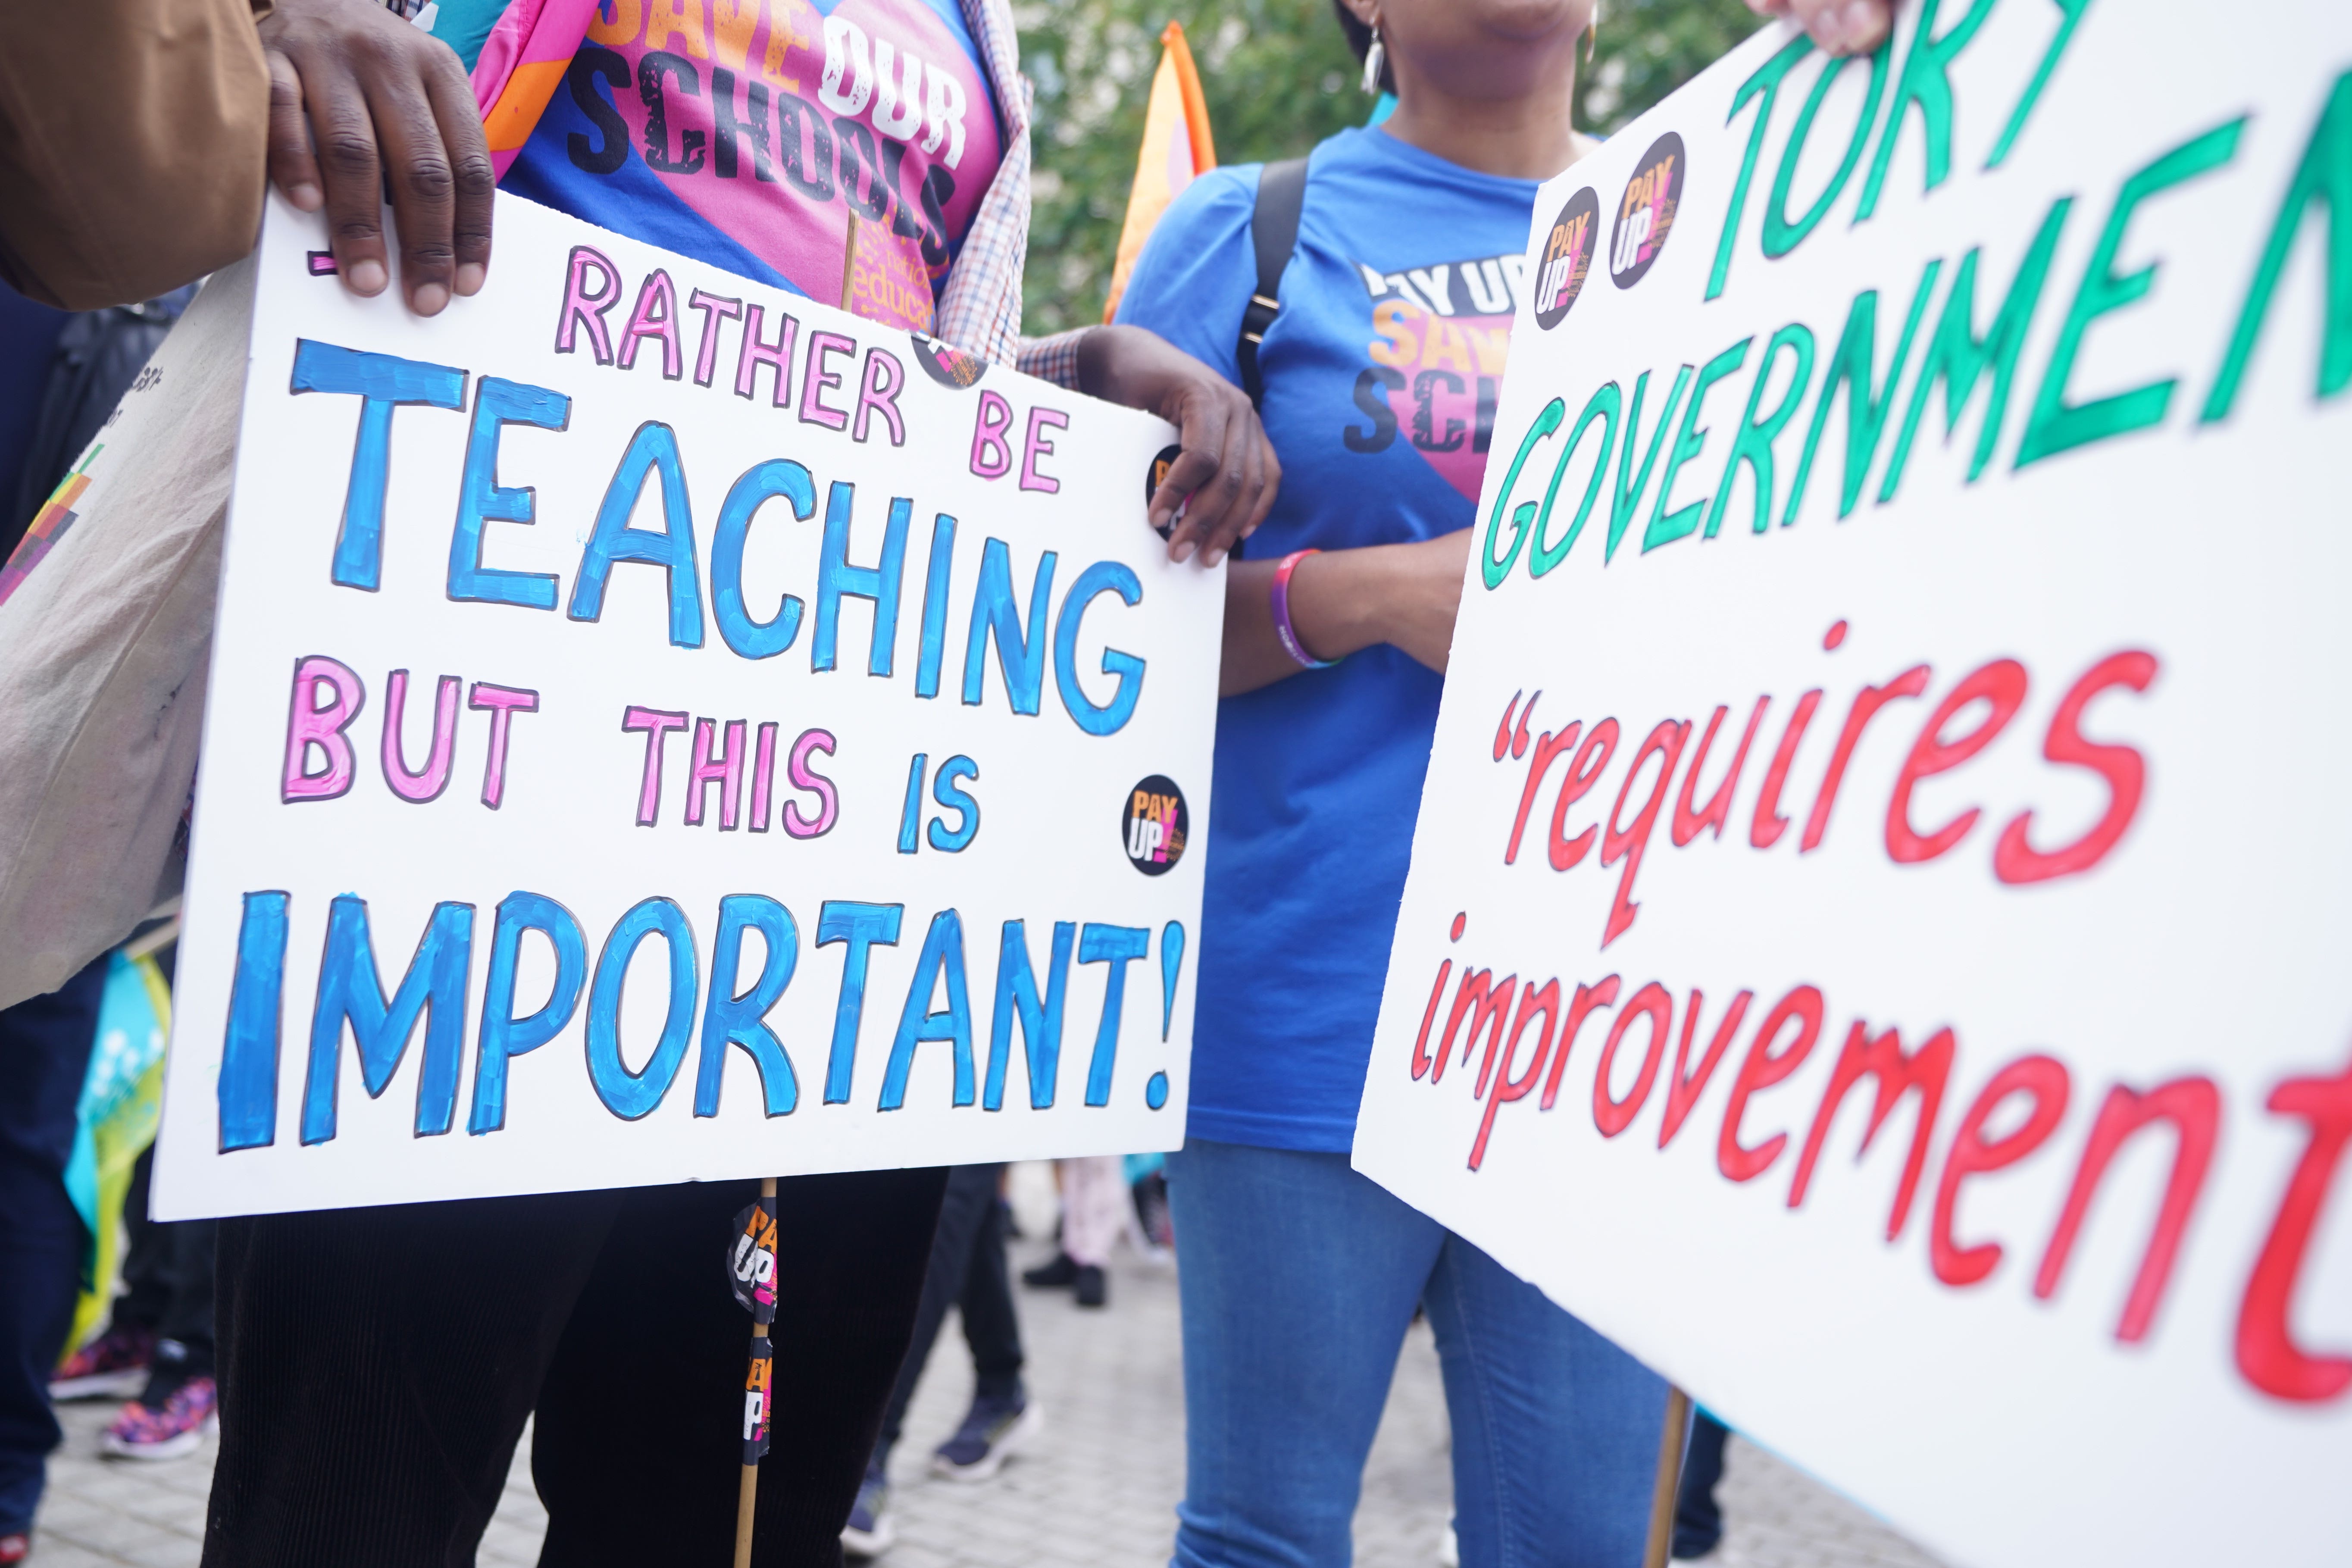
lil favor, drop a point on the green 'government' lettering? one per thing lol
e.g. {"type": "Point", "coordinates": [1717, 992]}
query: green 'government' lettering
{"type": "Point", "coordinates": [1602, 405]}
{"type": "Point", "coordinates": [1754, 447]}
{"type": "Point", "coordinates": [1495, 570]}
{"type": "Point", "coordinates": [2071, 18]}
{"type": "Point", "coordinates": [2057, 426]}
{"type": "Point", "coordinates": [2323, 175]}
{"type": "Point", "coordinates": [1957, 355]}
{"type": "Point", "coordinates": [1666, 527]}
{"type": "Point", "coordinates": [1623, 502]}
{"type": "Point", "coordinates": [1925, 80]}
{"type": "Point", "coordinates": [1866, 405]}
{"type": "Point", "coordinates": [1780, 235]}
{"type": "Point", "coordinates": [1766, 82]}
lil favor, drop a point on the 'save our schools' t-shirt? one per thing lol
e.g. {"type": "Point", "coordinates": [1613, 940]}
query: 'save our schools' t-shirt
{"type": "Point", "coordinates": [744, 135]}
{"type": "Point", "coordinates": [1383, 371]}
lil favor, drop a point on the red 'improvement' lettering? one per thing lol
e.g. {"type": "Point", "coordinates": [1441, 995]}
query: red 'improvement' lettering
{"type": "Point", "coordinates": [1898, 1074]}
{"type": "Point", "coordinates": [2193, 1106]}
{"type": "Point", "coordinates": [1760, 1071]}
{"type": "Point", "coordinates": [2043, 1078]}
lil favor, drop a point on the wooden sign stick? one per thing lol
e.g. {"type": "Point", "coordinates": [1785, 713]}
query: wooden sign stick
{"type": "Point", "coordinates": [849, 261]}
{"type": "Point", "coordinates": [1669, 1483]}
{"type": "Point", "coordinates": [761, 1349]}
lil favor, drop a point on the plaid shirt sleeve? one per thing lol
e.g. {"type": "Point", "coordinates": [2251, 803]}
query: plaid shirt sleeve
{"type": "Point", "coordinates": [1053, 359]}
{"type": "Point", "coordinates": [980, 311]}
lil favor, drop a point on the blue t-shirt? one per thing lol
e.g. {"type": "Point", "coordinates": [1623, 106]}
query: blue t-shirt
{"type": "Point", "coordinates": [1383, 371]}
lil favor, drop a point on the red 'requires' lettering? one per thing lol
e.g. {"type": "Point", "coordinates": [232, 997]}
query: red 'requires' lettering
{"type": "Point", "coordinates": [1999, 687]}
{"type": "Point", "coordinates": [1627, 843]}
{"type": "Point", "coordinates": [2014, 859]}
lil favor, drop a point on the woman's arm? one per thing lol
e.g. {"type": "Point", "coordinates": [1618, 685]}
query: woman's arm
{"type": "Point", "coordinates": [1341, 601]}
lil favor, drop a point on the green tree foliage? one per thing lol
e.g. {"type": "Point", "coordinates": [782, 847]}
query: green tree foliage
{"type": "Point", "coordinates": [1279, 77]}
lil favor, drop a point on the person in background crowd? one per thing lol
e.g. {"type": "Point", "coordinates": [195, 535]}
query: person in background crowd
{"type": "Point", "coordinates": [45, 1047]}
{"type": "Point", "coordinates": [92, 359]}
{"type": "Point", "coordinates": [1299, 1276]}
{"type": "Point", "coordinates": [408, 1344]}
{"type": "Point", "coordinates": [1095, 1199]}
{"type": "Point", "coordinates": [967, 1268]}
{"type": "Point", "coordinates": [1698, 1518]}
{"type": "Point", "coordinates": [158, 1345]}
{"type": "Point", "coordinates": [66, 374]}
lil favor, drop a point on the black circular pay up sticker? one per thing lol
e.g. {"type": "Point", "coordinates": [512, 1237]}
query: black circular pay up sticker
{"type": "Point", "coordinates": [1156, 476]}
{"type": "Point", "coordinates": [1567, 257]}
{"type": "Point", "coordinates": [1645, 214]}
{"type": "Point", "coordinates": [945, 364]}
{"type": "Point", "coordinates": [1153, 824]}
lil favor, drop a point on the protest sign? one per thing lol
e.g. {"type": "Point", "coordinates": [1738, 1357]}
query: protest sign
{"type": "Point", "coordinates": [660, 729]}
{"type": "Point", "coordinates": [1874, 945]}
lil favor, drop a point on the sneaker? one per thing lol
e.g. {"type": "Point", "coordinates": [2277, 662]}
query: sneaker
{"type": "Point", "coordinates": [1059, 1274]}
{"type": "Point", "coordinates": [1094, 1291]}
{"type": "Point", "coordinates": [868, 1532]}
{"type": "Point", "coordinates": [173, 1430]}
{"type": "Point", "coordinates": [112, 1367]}
{"type": "Point", "coordinates": [992, 1432]}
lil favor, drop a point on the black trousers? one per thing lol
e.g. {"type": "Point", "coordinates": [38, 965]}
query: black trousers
{"type": "Point", "coordinates": [377, 1366]}
{"type": "Point", "coordinates": [44, 1055]}
{"type": "Point", "coordinates": [967, 1270]}
{"type": "Point", "coordinates": [167, 1278]}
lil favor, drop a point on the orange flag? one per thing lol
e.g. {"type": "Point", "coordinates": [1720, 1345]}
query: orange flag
{"type": "Point", "coordinates": [1176, 147]}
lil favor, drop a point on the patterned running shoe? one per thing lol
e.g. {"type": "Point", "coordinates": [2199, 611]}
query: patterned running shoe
{"type": "Point", "coordinates": [110, 1366]}
{"type": "Point", "coordinates": [188, 1415]}
{"type": "Point", "coordinates": [870, 1532]}
{"type": "Point", "coordinates": [993, 1430]}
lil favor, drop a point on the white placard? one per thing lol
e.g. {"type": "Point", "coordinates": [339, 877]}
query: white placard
{"type": "Point", "coordinates": [613, 542]}
{"type": "Point", "coordinates": [1798, 748]}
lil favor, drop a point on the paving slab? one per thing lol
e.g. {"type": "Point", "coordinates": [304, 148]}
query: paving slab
{"type": "Point", "coordinates": [1097, 1489]}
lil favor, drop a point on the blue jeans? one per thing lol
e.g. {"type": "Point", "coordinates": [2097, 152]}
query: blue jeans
{"type": "Point", "coordinates": [1299, 1278]}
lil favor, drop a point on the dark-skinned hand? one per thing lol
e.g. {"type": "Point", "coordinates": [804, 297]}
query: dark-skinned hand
{"type": "Point", "coordinates": [362, 101]}
{"type": "Point", "coordinates": [1227, 476]}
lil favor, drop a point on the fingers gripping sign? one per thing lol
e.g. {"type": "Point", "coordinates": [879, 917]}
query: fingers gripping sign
{"type": "Point", "coordinates": [1224, 476]}
{"type": "Point", "coordinates": [1841, 27]}
{"type": "Point", "coordinates": [361, 103]}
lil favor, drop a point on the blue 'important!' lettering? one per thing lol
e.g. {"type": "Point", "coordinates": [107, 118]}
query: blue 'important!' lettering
{"type": "Point", "coordinates": [860, 926]}
{"type": "Point", "coordinates": [352, 987]}
{"type": "Point", "coordinates": [503, 1036]}
{"type": "Point", "coordinates": [1114, 945]}
{"type": "Point", "coordinates": [730, 1019]}
{"type": "Point", "coordinates": [942, 954]}
{"type": "Point", "coordinates": [249, 1075]}
{"type": "Point", "coordinates": [634, 1095]}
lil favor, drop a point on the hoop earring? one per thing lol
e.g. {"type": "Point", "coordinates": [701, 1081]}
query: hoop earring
{"type": "Point", "coordinates": [1375, 62]}
{"type": "Point", "coordinates": [1591, 34]}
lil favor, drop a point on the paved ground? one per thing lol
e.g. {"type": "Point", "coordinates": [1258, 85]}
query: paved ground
{"type": "Point", "coordinates": [1096, 1490]}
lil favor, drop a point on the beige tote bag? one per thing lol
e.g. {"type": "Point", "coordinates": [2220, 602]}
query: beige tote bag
{"type": "Point", "coordinates": [106, 619]}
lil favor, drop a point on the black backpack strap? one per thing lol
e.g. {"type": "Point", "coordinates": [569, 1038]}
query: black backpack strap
{"type": "Point", "coordinates": [1274, 232]}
